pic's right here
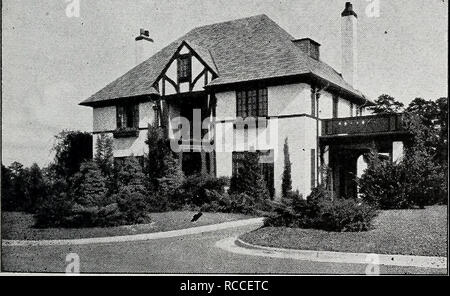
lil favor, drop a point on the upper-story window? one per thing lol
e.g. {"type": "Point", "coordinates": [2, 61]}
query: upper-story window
{"type": "Point", "coordinates": [251, 103]}
{"type": "Point", "coordinates": [127, 116]}
{"type": "Point", "coordinates": [184, 68]}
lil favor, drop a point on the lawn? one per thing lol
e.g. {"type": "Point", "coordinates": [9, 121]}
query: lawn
{"type": "Point", "coordinates": [19, 226]}
{"type": "Point", "coordinates": [408, 232]}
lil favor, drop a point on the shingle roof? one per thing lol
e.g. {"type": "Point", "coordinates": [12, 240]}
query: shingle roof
{"type": "Point", "coordinates": [241, 50]}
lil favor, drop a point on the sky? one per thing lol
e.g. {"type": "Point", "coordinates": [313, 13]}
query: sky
{"type": "Point", "coordinates": [51, 62]}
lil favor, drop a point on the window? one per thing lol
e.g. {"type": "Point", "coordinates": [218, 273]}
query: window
{"type": "Point", "coordinates": [351, 109]}
{"type": "Point", "coordinates": [127, 116]}
{"type": "Point", "coordinates": [266, 166]}
{"type": "Point", "coordinates": [251, 103]}
{"type": "Point", "coordinates": [184, 68]}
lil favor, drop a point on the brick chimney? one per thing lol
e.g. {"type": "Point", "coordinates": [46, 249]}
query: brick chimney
{"type": "Point", "coordinates": [308, 46]}
{"type": "Point", "coordinates": [349, 28]}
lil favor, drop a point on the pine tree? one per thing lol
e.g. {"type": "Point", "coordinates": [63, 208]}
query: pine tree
{"type": "Point", "coordinates": [158, 149]}
{"type": "Point", "coordinates": [286, 185]}
{"type": "Point", "coordinates": [130, 174]}
{"type": "Point", "coordinates": [89, 185]}
{"type": "Point", "coordinates": [104, 156]}
{"type": "Point", "coordinates": [173, 176]}
{"type": "Point", "coordinates": [248, 179]}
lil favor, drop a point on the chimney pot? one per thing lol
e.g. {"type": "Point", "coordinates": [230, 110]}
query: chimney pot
{"type": "Point", "coordinates": [348, 10]}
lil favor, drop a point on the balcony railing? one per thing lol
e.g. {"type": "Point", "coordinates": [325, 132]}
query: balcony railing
{"type": "Point", "coordinates": [371, 124]}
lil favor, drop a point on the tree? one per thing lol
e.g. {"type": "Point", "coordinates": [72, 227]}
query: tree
{"type": "Point", "coordinates": [248, 178]}
{"type": "Point", "coordinates": [104, 154]}
{"type": "Point", "coordinates": [89, 186]}
{"type": "Point", "coordinates": [158, 149]}
{"type": "Point", "coordinates": [442, 123]}
{"type": "Point", "coordinates": [286, 185]}
{"type": "Point", "coordinates": [386, 104]}
{"type": "Point", "coordinates": [7, 189]}
{"type": "Point", "coordinates": [36, 188]}
{"type": "Point", "coordinates": [71, 149]}
{"type": "Point", "coordinates": [416, 180]}
{"type": "Point", "coordinates": [18, 179]}
{"type": "Point", "coordinates": [173, 177]}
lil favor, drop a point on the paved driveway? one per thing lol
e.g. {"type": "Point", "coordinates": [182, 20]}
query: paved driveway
{"type": "Point", "coordinates": [184, 254]}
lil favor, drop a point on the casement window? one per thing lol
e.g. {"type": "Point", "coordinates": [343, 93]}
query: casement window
{"type": "Point", "coordinates": [266, 166]}
{"type": "Point", "coordinates": [127, 116]}
{"type": "Point", "coordinates": [251, 103]}
{"type": "Point", "coordinates": [184, 68]}
{"type": "Point", "coordinates": [351, 109]}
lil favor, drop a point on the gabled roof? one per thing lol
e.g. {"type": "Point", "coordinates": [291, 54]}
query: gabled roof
{"type": "Point", "coordinates": [237, 51]}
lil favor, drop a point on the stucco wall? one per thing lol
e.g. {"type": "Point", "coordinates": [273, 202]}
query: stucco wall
{"type": "Point", "coordinates": [292, 99]}
{"type": "Point", "coordinates": [104, 121]}
{"type": "Point", "coordinates": [343, 108]}
{"type": "Point", "coordinates": [325, 105]}
{"type": "Point", "coordinates": [289, 99]}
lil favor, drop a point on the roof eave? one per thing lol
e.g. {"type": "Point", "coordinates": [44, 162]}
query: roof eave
{"type": "Point", "coordinates": [114, 101]}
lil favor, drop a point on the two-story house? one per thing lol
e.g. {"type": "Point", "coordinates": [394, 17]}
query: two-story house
{"type": "Point", "coordinates": [220, 76]}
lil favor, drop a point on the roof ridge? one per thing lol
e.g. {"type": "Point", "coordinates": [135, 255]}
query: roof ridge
{"type": "Point", "coordinates": [262, 15]}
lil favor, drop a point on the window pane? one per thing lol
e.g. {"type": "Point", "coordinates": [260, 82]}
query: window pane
{"type": "Point", "coordinates": [184, 68]}
{"type": "Point", "coordinates": [240, 104]}
{"type": "Point", "coordinates": [252, 105]}
{"type": "Point", "coordinates": [262, 102]}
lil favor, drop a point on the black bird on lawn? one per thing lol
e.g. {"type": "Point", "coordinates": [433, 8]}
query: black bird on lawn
{"type": "Point", "coordinates": [197, 216]}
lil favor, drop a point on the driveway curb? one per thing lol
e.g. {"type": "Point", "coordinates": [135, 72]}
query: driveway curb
{"type": "Point", "coordinates": [134, 237]}
{"type": "Point", "coordinates": [238, 246]}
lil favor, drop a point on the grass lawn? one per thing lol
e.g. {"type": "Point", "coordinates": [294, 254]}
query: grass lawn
{"type": "Point", "coordinates": [408, 232]}
{"type": "Point", "coordinates": [19, 226]}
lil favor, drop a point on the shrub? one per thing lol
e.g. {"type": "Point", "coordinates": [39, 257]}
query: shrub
{"type": "Point", "coordinates": [321, 212]}
{"type": "Point", "coordinates": [345, 215]}
{"type": "Point", "coordinates": [415, 181]}
{"type": "Point", "coordinates": [234, 203]}
{"type": "Point", "coordinates": [197, 188]}
{"type": "Point", "coordinates": [132, 206]}
{"type": "Point", "coordinates": [54, 211]}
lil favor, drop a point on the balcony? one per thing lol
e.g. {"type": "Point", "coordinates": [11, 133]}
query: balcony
{"type": "Point", "coordinates": [381, 124]}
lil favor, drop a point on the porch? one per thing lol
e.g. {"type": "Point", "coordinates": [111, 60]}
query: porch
{"type": "Point", "coordinates": [186, 116]}
{"type": "Point", "coordinates": [344, 142]}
